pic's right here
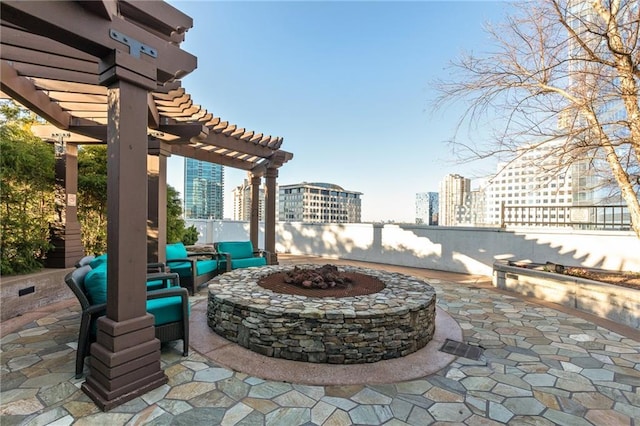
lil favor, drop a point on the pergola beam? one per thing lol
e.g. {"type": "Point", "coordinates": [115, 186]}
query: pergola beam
{"type": "Point", "coordinates": [211, 157]}
{"type": "Point", "coordinates": [23, 90]}
{"type": "Point", "coordinates": [49, 132]}
{"type": "Point", "coordinates": [186, 131]}
{"type": "Point", "coordinates": [275, 161]}
{"type": "Point", "coordinates": [240, 145]}
{"type": "Point", "coordinates": [159, 17]}
{"type": "Point", "coordinates": [19, 37]}
{"type": "Point", "coordinates": [71, 24]}
{"type": "Point", "coordinates": [29, 56]}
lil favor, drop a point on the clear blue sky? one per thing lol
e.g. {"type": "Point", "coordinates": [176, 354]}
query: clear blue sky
{"type": "Point", "coordinates": [346, 84]}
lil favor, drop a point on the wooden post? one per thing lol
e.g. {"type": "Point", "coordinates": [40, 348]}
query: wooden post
{"type": "Point", "coordinates": [157, 192]}
{"type": "Point", "coordinates": [125, 359]}
{"type": "Point", "coordinates": [270, 214]}
{"type": "Point", "coordinates": [65, 231]}
{"type": "Point", "coordinates": [254, 224]}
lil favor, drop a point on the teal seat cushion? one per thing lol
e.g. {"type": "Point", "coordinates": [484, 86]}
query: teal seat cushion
{"type": "Point", "coordinates": [99, 260]}
{"type": "Point", "coordinates": [237, 249]}
{"type": "Point", "coordinates": [157, 284]}
{"type": "Point", "coordinates": [166, 309]}
{"type": "Point", "coordinates": [246, 263]}
{"type": "Point", "coordinates": [95, 283]}
{"type": "Point", "coordinates": [205, 266]}
{"type": "Point", "coordinates": [179, 266]}
{"type": "Point", "coordinates": [183, 269]}
{"type": "Point", "coordinates": [176, 251]}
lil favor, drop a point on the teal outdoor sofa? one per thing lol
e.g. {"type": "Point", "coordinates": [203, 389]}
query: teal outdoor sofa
{"type": "Point", "coordinates": [194, 269]}
{"type": "Point", "coordinates": [169, 306]}
{"type": "Point", "coordinates": [240, 254]}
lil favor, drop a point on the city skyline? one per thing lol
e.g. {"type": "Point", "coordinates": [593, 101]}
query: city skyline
{"type": "Point", "coordinates": [347, 85]}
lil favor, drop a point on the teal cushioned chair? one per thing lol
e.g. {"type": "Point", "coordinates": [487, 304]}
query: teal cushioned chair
{"type": "Point", "coordinates": [101, 260]}
{"type": "Point", "coordinates": [170, 307]}
{"type": "Point", "coordinates": [191, 267]}
{"type": "Point", "coordinates": [240, 254]}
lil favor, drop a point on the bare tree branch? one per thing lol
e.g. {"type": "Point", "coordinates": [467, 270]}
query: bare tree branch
{"type": "Point", "coordinates": [564, 77]}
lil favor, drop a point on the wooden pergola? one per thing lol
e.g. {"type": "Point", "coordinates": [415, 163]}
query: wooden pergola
{"type": "Point", "coordinates": [108, 72]}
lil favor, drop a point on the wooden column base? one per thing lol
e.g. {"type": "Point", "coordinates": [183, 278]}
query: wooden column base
{"type": "Point", "coordinates": [67, 245]}
{"type": "Point", "coordinates": [125, 362]}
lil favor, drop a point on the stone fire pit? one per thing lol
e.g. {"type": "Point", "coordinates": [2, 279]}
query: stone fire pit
{"type": "Point", "coordinates": [394, 322]}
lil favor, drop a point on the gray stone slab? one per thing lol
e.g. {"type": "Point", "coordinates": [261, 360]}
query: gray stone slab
{"type": "Point", "coordinates": [288, 416]}
{"type": "Point", "coordinates": [269, 390]}
{"type": "Point", "coordinates": [205, 415]}
{"type": "Point", "coordinates": [212, 374]}
{"type": "Point", "coordinates": [370, 414]}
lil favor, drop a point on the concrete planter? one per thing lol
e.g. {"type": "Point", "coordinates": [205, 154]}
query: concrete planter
{"type": "Point", "coordinates": [619, 304]}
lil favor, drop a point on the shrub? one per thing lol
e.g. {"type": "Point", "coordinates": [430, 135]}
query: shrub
{"type": "Point", "coordinates": [190, 236]}
{"type": "Point", "coordinates": [27, 167]}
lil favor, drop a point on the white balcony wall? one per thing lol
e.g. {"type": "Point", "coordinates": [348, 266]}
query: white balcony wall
{"type": "Point", "coordinates": [454, 249]}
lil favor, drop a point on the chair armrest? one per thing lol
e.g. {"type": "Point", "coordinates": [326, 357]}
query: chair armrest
{"type": "Point", "coordinates": [156, 267]}
{"type": "Point", "coordinates": [169, 292]}
{"type": "Point", "coordinates": [227, 258]}
{"type": "Point", "coordinates": [263, 253]}
{"type": "Point", "coordinates": [94, 309]}
{"type": "Point", "coordinates": [189, 260]}
{"type": "Point", "coordinates": [171, 279]}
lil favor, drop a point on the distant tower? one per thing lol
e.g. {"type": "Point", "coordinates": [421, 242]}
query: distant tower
{"type": "Point", "coordinates": [242, 202]}
{"type": "Point", "coordinates": [453, 190]}
{"type": "Point", "coordinates": [203, 190]}
{"type": "Point", "coordinates": [427, 208]}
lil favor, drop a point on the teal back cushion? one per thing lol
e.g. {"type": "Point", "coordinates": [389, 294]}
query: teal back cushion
{"type": "Point", "coordinates": [95, 282]}
{"type": "Point", "coordinates": [237, 249]}
{"type": "Point", "coordinates": [99, 260]}
{"type": "Point", "coordinates": [176, 251]}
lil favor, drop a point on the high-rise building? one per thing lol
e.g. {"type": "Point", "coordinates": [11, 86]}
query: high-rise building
{"type": "Point", "coordinates": [453, 189]}
{"type": "Point", "coordinates": [242, 202]}
{"type": "Point", "coordinates": [318, 203]}
{"type": "Point", "coordinates": [600, 85]}
{"type": "Point", "coordinates": [531, 179]}
{"type": "Point", "coordinates": [203, 190]}
{"type": "Point", "coordinates": [427, 208]}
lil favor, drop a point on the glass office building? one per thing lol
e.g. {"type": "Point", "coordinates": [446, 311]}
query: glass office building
{"type": "Point", "coordinates": [203, 190]}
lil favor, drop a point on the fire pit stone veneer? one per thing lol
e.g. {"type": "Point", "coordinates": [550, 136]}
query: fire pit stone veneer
{"type": "Point", "coordinates": [391, 323]}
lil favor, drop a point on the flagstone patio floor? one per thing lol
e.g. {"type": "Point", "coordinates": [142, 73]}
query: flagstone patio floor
{"type": "Point", "coordinates": [542, 364]}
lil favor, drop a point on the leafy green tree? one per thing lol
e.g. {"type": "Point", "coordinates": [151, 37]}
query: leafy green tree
{"type": "Point", "coordinates": [27, 168]}
{"type": "Point", "coordinates": [92, 197]}
{"type": "Point", "coordinates": [175, 223]}
{"type": "Point", "coordinates": [92, 205]}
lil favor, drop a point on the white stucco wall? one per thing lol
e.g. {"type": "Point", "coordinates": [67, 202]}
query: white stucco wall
{"type": "Point", "coordinates": [454, 249]}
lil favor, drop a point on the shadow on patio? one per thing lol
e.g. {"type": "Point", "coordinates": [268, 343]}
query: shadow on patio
{"type": "Point", "coordinates": [541, 363]}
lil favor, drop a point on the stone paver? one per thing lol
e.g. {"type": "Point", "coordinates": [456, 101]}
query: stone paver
{"type": "Point", "coordinates": [540, 366]}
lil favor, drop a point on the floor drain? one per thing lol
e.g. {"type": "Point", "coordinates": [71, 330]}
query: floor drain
{"type": "Point", "coordinates": [461, 349]}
